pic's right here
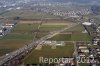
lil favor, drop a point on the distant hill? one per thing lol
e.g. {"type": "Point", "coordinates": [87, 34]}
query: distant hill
{"type": "Point", "coordinates": [8, 2]}
{"type": "Point", "coordinates": [96, 9]}
{"type": "Point", "coordinates": [78, 1]}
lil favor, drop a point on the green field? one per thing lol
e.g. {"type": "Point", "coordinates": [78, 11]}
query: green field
{"type": "Point", "coordinates": [47, 52]}
{"type": "Point", "coordinates": [76, 35]}
{"type": "Point", "coordinates": [18, 37]}
{"type": "Point", "coordinates": [80, 37]}
{"type": "Point", "coordinates": [71, 37]}
{"type": "Point", "coordinates": [61, 37]}
{"type": "Point", "coordinates": [51, 27]}
{"type": "Point", "coordinates": [83, 64]}
{"type": "Point", "coordinates": [26, 14]}
{"type": "Point", "coordinates": [23, 34]}
{"type": "Point", "coordinates": [77, 28]}
{"type": "Point", "coordinates": [25, 28]}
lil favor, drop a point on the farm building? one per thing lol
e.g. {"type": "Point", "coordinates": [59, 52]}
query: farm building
{"type": "Point", "coordinates": [57, 43]}
{"type": "Point", "coordinates": [7, 25]}
{"type": "Point", "coordinates": [82, 47]}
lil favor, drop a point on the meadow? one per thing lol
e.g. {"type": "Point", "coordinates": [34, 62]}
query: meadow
{"type": "Point", "coordinates": [23, 33]}
{"type": "Point", "coordinates": [47, 52]}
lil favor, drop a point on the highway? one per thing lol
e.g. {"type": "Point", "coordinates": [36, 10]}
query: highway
{"type": "Point", "coordinates": [8, 57]}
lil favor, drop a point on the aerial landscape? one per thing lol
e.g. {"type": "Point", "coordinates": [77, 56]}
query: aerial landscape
{"type": "Point", "coordinates": [49, 32]}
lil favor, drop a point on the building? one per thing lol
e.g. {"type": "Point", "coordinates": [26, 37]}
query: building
{"type": "Point", "coordinates": [1, 31]}
{"type": "Point", "coordinates": [83, 49]}
{"type": "Point", "coordinates": [57, 43]}
{"type": "Point", "coordinates": [7, 25]}
{"type": "Point", "coordinates": [87, 23]}
{"type": "Point", "coordinates": [95, 41]}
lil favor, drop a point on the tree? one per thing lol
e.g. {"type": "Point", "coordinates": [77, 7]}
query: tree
{"type": "Point", "coordinates": [17, 18]}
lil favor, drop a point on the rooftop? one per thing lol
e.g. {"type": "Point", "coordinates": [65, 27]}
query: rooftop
{"type": "Point", "coordinates": [87, 23]}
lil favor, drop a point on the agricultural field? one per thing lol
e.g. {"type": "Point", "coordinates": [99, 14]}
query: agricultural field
{"type": "Point", "coordinates": [48, 52]}
{"type": "Point", "coordinates": [76, 35]}
{"type": "Point", "coordinates": [51, 27]}
{"type": "Point", "coordinates": [61, 37]}
{"type": "Point", "coordinates": [77, 28]}
{"type": "Point", "coordinates": [20, 35]}
{"type": "Point", "coordinates": [23, 33]}
{"type": "Point", "coordinates": [26, 14]}
{"type": "Point", "coordinates": [71, 37]}
{"type": "Point", "coordinates": [80, 37]}
{"type": "Point", "coordinates": [83, 64]}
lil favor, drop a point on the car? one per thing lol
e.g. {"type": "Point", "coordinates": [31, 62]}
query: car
{"type": "Point", "coordinates": [97, 49]}
{"type": "Point", "coordinates": [98, 55]}
{"type": "Point", "coordinates": [91, 56]}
